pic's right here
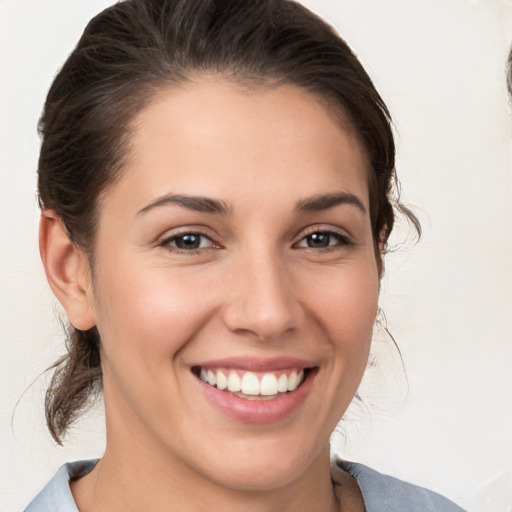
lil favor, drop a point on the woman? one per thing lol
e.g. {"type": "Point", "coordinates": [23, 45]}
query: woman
{"type": "Point", "coordinates": [216, 189]}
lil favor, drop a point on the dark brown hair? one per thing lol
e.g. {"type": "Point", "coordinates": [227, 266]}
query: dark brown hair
{"type": "Point", "coordinates": [137, 47]}
{"type": "Point", "coordinates": [509, 72]}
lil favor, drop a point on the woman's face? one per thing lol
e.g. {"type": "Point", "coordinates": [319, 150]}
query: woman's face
{"type": "Point", "coordinates": [235, 248]}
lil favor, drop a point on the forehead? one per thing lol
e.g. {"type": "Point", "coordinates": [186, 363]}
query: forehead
{"type": "Point", "coordinates": [212, 137]}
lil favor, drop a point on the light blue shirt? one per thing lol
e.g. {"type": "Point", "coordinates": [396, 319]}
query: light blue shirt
{"type": "Point", "coordinates": [381, 493]}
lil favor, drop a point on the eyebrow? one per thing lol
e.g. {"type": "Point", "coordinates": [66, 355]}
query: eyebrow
{"type": "Point", "coordinates": [326, 201]}
{"type": "Point", "coordinates": [208, 205]}
{"type": "Point", "coordinates": [195, 203]}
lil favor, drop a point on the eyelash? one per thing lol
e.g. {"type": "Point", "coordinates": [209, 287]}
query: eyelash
{"type": "Point", "coordinates": [167, 242]}
{"type": "Point", "coordinates": [342, 240]}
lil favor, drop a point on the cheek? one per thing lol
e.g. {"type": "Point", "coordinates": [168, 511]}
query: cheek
{"type": "Point", "coordinates": [146, 317]}
{"type": "Point", "coordinates": [346, 301]}
{"type": "Point", "coordinates": [150, 310]}
{"type": "Point", "coordinates": [345, 306]}
{"type": "Point", "coordinates": [343, 303]}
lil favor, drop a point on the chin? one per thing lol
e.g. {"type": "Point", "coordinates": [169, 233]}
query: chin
{"type": "Point", "coordinates": [264, 466]}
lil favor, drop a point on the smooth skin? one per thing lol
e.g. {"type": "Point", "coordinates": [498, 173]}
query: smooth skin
{"type": "Point", "coordinates": [270, 270]}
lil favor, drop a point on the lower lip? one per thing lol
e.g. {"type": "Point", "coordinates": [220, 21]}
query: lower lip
{"type": "Point", "coordinates": [259, 411]}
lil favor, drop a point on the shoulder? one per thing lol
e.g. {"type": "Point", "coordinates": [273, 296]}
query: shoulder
{"type": "Point", "coordinates": [56, 495]}
{"type": "Point", "coordinates": [383, 492]}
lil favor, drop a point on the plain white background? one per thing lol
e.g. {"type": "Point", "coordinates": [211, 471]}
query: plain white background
{"type": "Point", "coordinates": [440, 66]}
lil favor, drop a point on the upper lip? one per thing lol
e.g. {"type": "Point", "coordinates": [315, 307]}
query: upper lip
{"type": "Point", "coordinates": [258, 364]}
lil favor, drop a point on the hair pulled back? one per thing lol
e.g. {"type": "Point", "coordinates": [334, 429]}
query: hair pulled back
{"type": "Point", "coordinates": [137, 47]}
{"type": "Point", "coordinates": [509, 72]}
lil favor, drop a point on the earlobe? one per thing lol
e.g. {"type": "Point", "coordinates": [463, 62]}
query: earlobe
{"type": "Point", "coordinates": [67, 271]}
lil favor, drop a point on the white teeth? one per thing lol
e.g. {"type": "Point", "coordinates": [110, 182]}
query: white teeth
{"type": "Point", "coordinates": [282, 383]}
{"type": "Point", "coordinates": [292, 381]}
{"type": "Point", "coordinates": [268, 385]}
{"type": "Point", "coordinates": [250, 384]}
{"type": "Point", "coordinates": [234, 384]}
{"type": "Point", "coordinates": [222, 381]}
{"type": "Point", "coordinates": [295, 379]}
{"type": "Point", "coordinates": [211, 378]}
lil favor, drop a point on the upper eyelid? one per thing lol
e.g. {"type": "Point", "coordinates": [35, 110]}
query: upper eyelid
{"type": "Point", "coordinates": [322, 228]}
{"type": "Point", "coordinates": [188, 230]}
{"type": "Point", "coordinates": [216, 238]}
{"type": "Point", "coordinates": [169, 244]}
{"type": "Point", "coordinates": [344, 239]}
{"type": "Point", "coordinates": [166, 240]}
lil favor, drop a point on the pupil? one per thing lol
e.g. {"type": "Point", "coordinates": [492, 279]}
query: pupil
{"type": "Point", "coordinates": [318, 240]}
{"type": "Point", "coordinates": [188, 242]}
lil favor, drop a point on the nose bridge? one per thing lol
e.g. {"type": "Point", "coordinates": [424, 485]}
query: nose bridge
{"type": "Point", "coordinates": [262, 300]}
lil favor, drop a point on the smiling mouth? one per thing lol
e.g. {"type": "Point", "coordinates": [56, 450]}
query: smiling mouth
{"type": "Point", "coordinates": [252, 385]}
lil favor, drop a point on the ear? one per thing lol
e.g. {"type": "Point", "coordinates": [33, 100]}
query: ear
{"type": "Point", "coordinates": [383, 239]}
{"type": "Point", "coordinates": [380, 249]}
{"type": "Point", "coordinates": [67, 270]}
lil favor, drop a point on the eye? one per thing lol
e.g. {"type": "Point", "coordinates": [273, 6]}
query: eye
{"type": "Point", "coordinates": [323, 240]}
{"type": "Point", "coordinates": [188, 242]}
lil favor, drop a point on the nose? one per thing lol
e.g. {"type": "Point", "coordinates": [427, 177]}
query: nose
{"type": "Point", "coordinates": [261, 300]}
